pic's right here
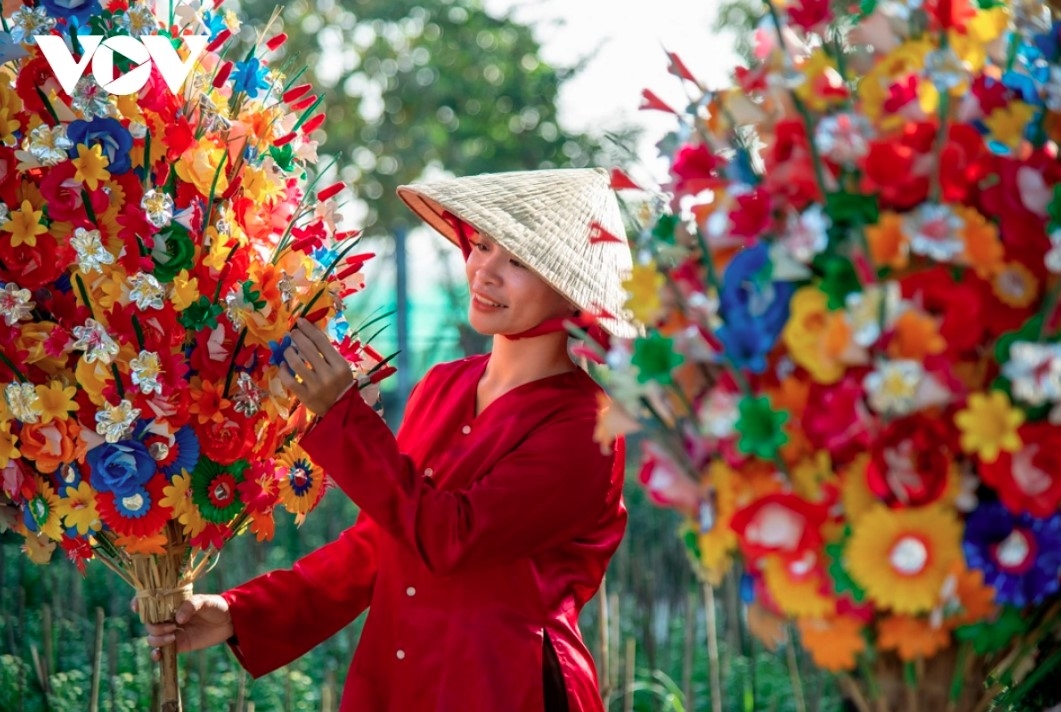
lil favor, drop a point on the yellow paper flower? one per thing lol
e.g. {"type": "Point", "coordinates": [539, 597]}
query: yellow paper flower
{"type": "Point", "coordinates": [199, 164]}
{"type": "Point", "coordinates": [834, 643]}
{"type": "Point", "coordinates": [989, 425]}
{"type": "Point", "coordinates": [8, 444]}
{"type": "Point", "coordinates": [797, 587]}
{"type": "Point", "coordinates": [185, 290]}
{"type": "Point", "coordinates": [78, 509]}
{"type": "Point", "coordinates": [818, 339]}
{"type": "Point", "coordinates": [901, 557]}
{"type": "Point", "coordinates": [91, 165]}
{"type": "Point", "coordinates": [178, 497]}
{"type": "Point", "coordinates": [24, 225]}
{"type": "Point", "coordinates": [300, 482]}
{"type": "Point", "coordinates": [718, 544]}
{"type": "Point", "coordinates": [43, 509]}
{"type": "Point", "coordinates": [908, 58]}
{"type": "Point", "coordinates": [911, 637]}
{"type": "Point", "coordinates": [822, 85]}
{"type": "Point", "coordinates": [56, 401]}
{"type": "Point", "coordinates": [855, 493]}
{"type": "Point", "coordinates": [644, 286]}
{"type": "Point", "coordinates": [1008, 122]}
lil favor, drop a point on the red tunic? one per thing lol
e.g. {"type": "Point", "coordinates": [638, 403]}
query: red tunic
{"type": "Point", "coordinates": [477, 535]}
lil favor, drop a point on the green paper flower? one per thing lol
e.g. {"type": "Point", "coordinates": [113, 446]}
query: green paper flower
{"type": "Point", "coordinates": [655, 358]}
{"type": "Point", "coordinates": [173, 252]}
{"type": "Point", "coordinates": [664, 228]}
{"type": "Point", "coordinates": [283, 156]}
{"type": "Point", "coordinates": [845, 208]}
{"type": "Point", "coordinates": [202, 314]}
{"type": "Point", "coordinates": [992, 636]}
{"type": "Point", "coordinates": [761, 428]}
{"type": "Point", "coordinates": [838, 279]}
{"type": "Point", "coordinates": [215, 489]}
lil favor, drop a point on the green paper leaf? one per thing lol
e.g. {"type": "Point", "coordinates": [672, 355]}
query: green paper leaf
{"type": "Point", "coordinates": [992, 636]}
{"type": "Point", "coordinates": [842, 581]}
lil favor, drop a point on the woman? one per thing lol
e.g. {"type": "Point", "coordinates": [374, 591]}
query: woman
{"type": "Point", "coordinates": [490, 519]}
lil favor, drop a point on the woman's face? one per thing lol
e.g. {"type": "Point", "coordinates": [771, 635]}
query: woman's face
{"type": "Point", "coordinates": [507, 297]}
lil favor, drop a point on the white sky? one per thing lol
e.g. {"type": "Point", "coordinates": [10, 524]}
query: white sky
{"type": "Point", "coordinates": [632, 35]}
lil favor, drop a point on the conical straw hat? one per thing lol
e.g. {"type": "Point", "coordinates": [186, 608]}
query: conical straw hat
{"type": "Point", "coordinates": [563, 224]}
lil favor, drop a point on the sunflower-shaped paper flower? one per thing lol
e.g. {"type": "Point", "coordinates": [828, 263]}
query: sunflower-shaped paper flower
{"type": "Point", "coordinates": [300, 482]}
{"type": "Point", "coordinates": [901, 557]}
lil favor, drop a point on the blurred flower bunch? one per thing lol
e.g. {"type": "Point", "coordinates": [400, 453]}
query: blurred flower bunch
{"type": "Point", "coordinates": [155, 250]}
{"type": "Point", "coordinates": [850, 380]}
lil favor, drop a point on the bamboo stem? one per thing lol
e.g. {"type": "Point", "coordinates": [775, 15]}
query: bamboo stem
{"type": "Point", "coordinates": [793, 672]}
{"type": "Point", "coordinates": [689, 648]}
{"type": "Point", "coordinates": [97, 663]}
{"type": "Point", "coordinates": [605, 653]}
{"type": "Point", "coordinates": [854, 693]}
{"type": "Point", "coordinates": [628, 681]}
{"type": "Point", "coordinates": [712, 648]}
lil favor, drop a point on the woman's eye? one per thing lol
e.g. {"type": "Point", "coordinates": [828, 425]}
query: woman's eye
{"type": "Point", "coordinates": [516, 263]}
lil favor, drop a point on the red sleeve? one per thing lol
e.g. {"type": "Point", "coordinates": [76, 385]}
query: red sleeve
{"type": "Point", "coordinates": [554, 487]}
{"type": "Point", "coordinates": [279, 616]}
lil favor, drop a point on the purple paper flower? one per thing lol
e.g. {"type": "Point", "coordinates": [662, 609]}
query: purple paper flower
{"type": "Point", "coordinates": [1020, 555]}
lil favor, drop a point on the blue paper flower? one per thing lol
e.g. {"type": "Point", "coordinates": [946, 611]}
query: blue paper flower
{"type": "Point", "coordinates": [248, 76]}
{"type": "Point", "coordinates": [110, 135]}
{"type": "Point", "coordinates": [277, 348]}
{"type": "Point", "coordinates": [1020, 556]}
{"type": "Point", "coordinates": [80, 10]}
{"type": "Point", "coordinates": [122, 468]}
{"type": "Point", "coordinates": [753, 306]}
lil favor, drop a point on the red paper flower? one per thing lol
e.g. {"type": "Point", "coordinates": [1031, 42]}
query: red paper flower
{"type": "Point", "coordinates": [1029, 480]}
{"type": "Point", "coordinates": [837, 420]}
{"type": "Point", "coordinates": [910, 463]}
{"type": "Point", "coordinates": [779, 523]}
{"type": "Point", "coordinates": [695, 169]}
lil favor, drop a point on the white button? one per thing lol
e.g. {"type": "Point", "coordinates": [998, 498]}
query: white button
{"type": "Point", "coordinates": [400, 655]}
{"type": "Point", "coordinates": [428, 472]}
{"type": "Point", "coordinates": [466, 429]}
{"type": "Point", "coordinates": [411, 591]}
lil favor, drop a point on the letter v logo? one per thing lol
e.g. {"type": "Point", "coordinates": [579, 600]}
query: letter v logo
{"type": "Point", "coordinates": [59, 58]}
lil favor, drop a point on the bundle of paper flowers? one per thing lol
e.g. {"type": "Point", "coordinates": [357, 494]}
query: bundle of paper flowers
{"type": "Point", "coordinates": [156, 246]}
{"type": "Point", "coordinates": [850, 379]}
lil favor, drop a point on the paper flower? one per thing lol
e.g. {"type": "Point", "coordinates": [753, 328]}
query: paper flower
{"type": "Point", "coordinates": [300, 483]}
{"type": "Point", "coordinates": [912, 637]}
{"type": "Point", "coordinates": [833, 643]}
{"type": "Point", "coordinates": [1019, 555]}
{"type": "Point", "coordinates": [989, 425]}
{"type": "Point", "coordinates": [901, 557]}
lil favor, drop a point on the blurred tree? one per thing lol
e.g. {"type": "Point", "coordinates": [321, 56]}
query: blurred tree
{"type": "Point", "coordinates": [431, 84]}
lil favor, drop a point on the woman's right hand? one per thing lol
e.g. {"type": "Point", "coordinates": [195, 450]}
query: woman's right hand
{"type": "Point", "coordinates": [201, 621]}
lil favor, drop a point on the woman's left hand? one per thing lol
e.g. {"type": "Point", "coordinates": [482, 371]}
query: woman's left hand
{"type": "Point", "coordinates": [323, 373]}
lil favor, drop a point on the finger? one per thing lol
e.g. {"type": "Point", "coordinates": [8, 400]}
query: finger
{"type": "Point", "coordinates": [308, 350]}
{"type": "Point", "coordinates": [323, 343]}
{"type": "Point", "coordinates": [188, 609]}
{"type": "Point", "coordinates": [292, 385]}
{"type": "Point", "coordinates": [156, 654]}
{"type": "Point", "coordinates": [160, 628]}
{"type": "Point", "coordinates": [158, 641]}
{"type": "Point", "coordinates": [298, 365]}
{"type": "Point", "coordinates": [135, 605]}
